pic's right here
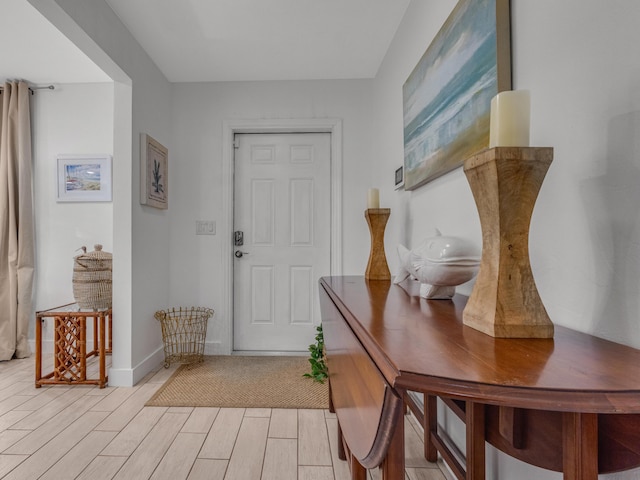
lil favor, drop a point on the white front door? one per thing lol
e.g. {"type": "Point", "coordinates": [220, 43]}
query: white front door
{"type": "Point", "coordinates": [282, 207]}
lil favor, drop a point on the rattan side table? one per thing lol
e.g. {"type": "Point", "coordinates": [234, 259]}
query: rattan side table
{"type": "Point", "coordinates": [70, 345]}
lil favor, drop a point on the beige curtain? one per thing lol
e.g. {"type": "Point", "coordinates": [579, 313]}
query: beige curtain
{"type": "Point", "coordinates": [17, 242]}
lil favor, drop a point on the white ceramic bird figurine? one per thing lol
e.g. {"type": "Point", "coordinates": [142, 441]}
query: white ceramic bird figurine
{"type": "Point", "coordinates": [439, 263]}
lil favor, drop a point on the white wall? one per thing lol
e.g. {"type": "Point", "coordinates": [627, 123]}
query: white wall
{"type": "Point", "coordinates": [72, 119]}
{"type": "Point", "coordinates": [577, 58]}
{"type": "Point", "coordinates": [141, 104]}
{"type": "Point", "coordinates": [198, 113]}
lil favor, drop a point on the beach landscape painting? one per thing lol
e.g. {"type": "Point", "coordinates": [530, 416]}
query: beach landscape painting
{"type": "Point", "coordinates": [447, 97]}
{"type": "Point", "coordinates": [84, 178]}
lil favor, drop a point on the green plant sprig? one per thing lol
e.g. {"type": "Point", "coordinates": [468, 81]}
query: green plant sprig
{"type": "Point", "coordinates": [319, 371]}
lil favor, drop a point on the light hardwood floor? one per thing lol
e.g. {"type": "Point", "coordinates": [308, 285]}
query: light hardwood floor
{"type": "Point", "coordinates": [84, 432]}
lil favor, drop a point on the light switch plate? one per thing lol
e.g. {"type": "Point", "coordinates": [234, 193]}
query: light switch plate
{"type": "Point", "coordinates": [205, 227]}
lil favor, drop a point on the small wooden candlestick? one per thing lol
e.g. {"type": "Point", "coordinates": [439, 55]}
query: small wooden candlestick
{"type": "Point", "coordinates": [505, 182]}
{"type": "Point", "coordinates": [377, 268]}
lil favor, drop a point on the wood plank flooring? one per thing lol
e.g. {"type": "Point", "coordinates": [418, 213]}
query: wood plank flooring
{"type": "Point", "coordinates": [83, 432]}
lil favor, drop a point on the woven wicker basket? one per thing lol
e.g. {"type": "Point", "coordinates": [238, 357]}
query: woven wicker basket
{"type": "Point", "coordinates": [183, 332]}
{"type": "Point", "coordinates": [92, 279]}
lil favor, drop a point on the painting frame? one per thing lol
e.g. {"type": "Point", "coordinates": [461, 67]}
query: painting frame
{"type": "Point", "coordinates": [447, 96]}
{"type": "Point", "coordinates": [154, 173]}
{"type": "Point", "coordinates": [83, 178]}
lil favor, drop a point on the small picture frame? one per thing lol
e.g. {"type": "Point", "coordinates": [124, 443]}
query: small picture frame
{"type": "Point", "coordinates": [84, 178]}
{"type": "Point", "coordinates": [154, 173]}
{"type": "Point", "coordinates": [399, 180]}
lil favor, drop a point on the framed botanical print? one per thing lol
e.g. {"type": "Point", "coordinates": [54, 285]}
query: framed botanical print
{"type": "Point", "coordinates": [154, 173]}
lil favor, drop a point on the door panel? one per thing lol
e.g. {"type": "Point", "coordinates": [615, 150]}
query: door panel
{"type": "Point", "coordinates": [301, 208]}
{"type": "Point", "coordinates": [282, 204]}
{"type": "Point", "coordinates": [262, 213]}
{"type": "Point", "coordinates": [302, 284]}
{"type": "Point", "coordinates": [261, 295]}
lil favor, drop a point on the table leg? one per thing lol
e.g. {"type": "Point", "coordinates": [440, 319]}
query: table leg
{"type": "Point", "coordinates": [342, 455]}
{"type": "Point", "coordinates": [82, 321]}
{"type": "Point", "coordinates": [475, 413]}
{"type": "Point", "coordinates": [392, 467]}
{"type": "Point", "coordinates": [331, 407]}
{"type": "Point", "coordinates": [580, 446]}
{"type": "Point", "coordinates": [358, 472]}
{"type": "Point", "coordinates": [95, 334]}
{"type": "Point", "coordinates": [101, 351]}
{"type": "Point", "coordinates": [110, 315]}
{"type": "Point", "coordinates": [57, 322]}
{"type": "Point", "coordinates": [38, 351]}
{"type": "Point", "coordinates": [430, 427]}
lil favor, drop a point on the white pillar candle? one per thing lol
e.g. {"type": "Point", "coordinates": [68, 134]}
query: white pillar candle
{"type": "Point", "coordinates": [373, 198]}
{"type": "Point", "coordinates": [510, 114]}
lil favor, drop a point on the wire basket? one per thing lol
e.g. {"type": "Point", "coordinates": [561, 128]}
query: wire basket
{"type": "Point", "coordinates": [183, 333]}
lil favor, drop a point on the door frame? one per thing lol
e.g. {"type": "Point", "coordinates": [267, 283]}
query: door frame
{"type": "Point", "coordinates": [333, 126]}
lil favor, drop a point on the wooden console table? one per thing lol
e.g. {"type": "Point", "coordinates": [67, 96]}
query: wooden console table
{"type": "Point", "coordinates": [70, 345]}
{"type": "Point", "coordinates": [569, 403]}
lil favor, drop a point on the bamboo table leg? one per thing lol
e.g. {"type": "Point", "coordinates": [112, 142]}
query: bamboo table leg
{"type": "Point", "coordinates": [102, 353]}
{"type": "Point", "coordinates": [56, 345]}
{"type": "Point", "coordinates": [83, 349]}
{"type": "Point", "coordinates": [110, 315]}
{"type": "Point", "coordinates": [95, 335]}
{"type": "Point", "coordinates": [38, 352]}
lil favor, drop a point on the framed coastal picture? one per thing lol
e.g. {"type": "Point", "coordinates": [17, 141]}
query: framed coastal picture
{"type": "Point", "coordinates": [84, 178]}
{"type": "Point", "coordinates": [154, 173]}
{"type": "Point", "coordinates": [447, 97]}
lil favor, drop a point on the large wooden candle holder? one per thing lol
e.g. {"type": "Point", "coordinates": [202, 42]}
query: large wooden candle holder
{"type": "Point", "coordinates": [377, 268]}
{"type": "Point", "coordinates": [505, 182]}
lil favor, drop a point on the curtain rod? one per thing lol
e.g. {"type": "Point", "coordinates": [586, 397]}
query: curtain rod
{"type": "Point", "coordinates": [31, 89]}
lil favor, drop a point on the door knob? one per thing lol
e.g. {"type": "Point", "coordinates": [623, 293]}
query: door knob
{"type": "Point", "coordinates": [239, 254]}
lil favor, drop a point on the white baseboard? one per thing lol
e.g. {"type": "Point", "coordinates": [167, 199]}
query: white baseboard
{"type": "Point", "coordinates": [214, 348]}
{"type": "Point", "coordinates": [128, 377]}
{"type": "Point", "coordinates": [120, 377]}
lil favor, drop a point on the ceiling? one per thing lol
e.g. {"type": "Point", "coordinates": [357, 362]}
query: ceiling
{"type": "Point", "coordinates": [34, 50]}
{"type": "Point", "coordinates": [216, 40]}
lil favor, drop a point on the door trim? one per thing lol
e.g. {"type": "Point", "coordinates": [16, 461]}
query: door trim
{"type": "Point", "coordinates": [229, 129]}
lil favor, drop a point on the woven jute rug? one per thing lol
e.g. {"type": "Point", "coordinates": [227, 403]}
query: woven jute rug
{"type": "Point", "coordinates": [243, 382]}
